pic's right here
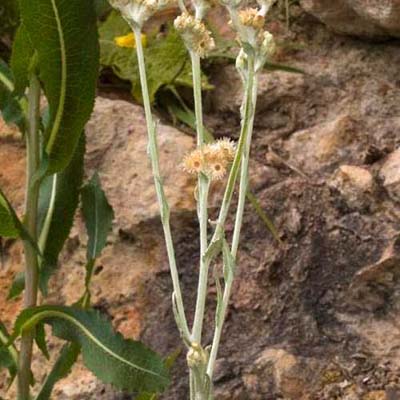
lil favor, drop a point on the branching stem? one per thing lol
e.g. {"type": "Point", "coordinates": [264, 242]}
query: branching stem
{"type": "Point", "coordinates": [164, 208]}
{"type": "Point", "coordinates": [248, 122]}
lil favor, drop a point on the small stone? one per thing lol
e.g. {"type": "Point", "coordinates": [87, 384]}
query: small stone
{"type": "Point", "coordinates": [376, 395]}
{"type": "Point", "coordinates": [354, 183]}
{"type": "Point", "coordinates": [390, 174]}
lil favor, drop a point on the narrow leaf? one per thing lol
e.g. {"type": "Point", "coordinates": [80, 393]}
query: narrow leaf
{"type": "Point", "coordinates": [8, 354]}
{"type": "Point", "coordinates": [68, 184]}
{"type": "Point", "coordinates": [64, 35]}
{"type": "Point", "coordinates": [17, 286]}
{"type": "Point", "coordinates": [10, 108]}
{"type": "Point", "coordinates": [98, 216]}
{"type": "Point", "coordinates": [229, 262]}
{"type": "Point", "coordinates": [147, 396]}
{"type": "Point", "coordinates": [125, 363]}
{"type": "Point", "coordinates": [10, 225]}
{"type": "Point", "coordinates": [21, 57]}
{"type": "Point", "coordinates": [40, 339]}
{"type": "Point", "coordinates": [263, 216]}
{"type": "Point", "coordinates": [8, 222]}
{"type": "Point", "coordinates": [62, 367]}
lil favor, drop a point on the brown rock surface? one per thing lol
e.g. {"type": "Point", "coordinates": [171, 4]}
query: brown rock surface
{"type": "Point", "coordinates": [368, 18]}
{"type": "Point", "coordinates": [316, 318]}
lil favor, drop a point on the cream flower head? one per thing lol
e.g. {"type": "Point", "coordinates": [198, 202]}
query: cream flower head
{"type": "Point", "coordinates": [195, 34]}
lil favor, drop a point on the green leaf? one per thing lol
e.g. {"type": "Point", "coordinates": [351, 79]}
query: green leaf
{"type": "Point", "coordinates": [17, 286]}
{"type": "Point", "coordinates": [61, 368]}
{"type": "Point", "coordinates": [102, 7]}
{"type": "Point", "coordinates": [8, 219]}
{"type": "Point", "coordinates": [10, 225]}
{"type": "Point", "coordinates": [98, 216]}
{"type": "Point", "coordinates": [263, 216]}
{"type": "Point", "coordinates": [147, 396]}
{"type": "Point", "coordinates": [8, 354]}
{"type": "Point", "coordinates": [40, 339]}
{"type": "Point", "coordinates": [21, 58]}
{"type": "Point", "coordinates": [64, 35]}
{"type": "Point", "coordinates": [283, 67]}
{"type": "Point", "coordinates": [125, 363]}
{"type": "Point", "coordinates": [185, 115]}
{"type": "Point", "coordinates": [8, 17]}
{"type": "Point", "coordinates": [229, 262]}
{"type": "Point", "coordinates": [10, 108]}
{"type": "Point", "coordinates": [68, 184]}
{"type": "Point", "coordinates": [167, 60]}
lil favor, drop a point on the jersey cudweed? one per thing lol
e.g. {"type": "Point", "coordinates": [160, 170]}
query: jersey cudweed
{"type": "Point", "coordinates": [210, 162]}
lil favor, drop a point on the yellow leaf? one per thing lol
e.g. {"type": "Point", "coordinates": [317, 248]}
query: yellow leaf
{"type": "Point", "coordinates": [129, 41]}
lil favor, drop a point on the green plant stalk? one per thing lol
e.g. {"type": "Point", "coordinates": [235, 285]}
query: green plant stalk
{"type": "Point", "coordinates": [244, 169]}
{"type": "Point", "coordinates": [248, 123]}
{"type": "Point", "coordinates": [203, 189]}
{"type": "Point", "coordinates": [31, 259]}
{"type": "Point", "coordinates": [164, 209]}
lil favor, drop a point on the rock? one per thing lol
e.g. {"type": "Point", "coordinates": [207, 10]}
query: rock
{"type": "Point", "coordinates": [271, 87]}
{"type": "Point", "coordinates": [117, 148]}
{"type": "Point", "coordinates": [322, 146]}
{"type": "Point", "coordinates": [374, 284]}
{"type": "Point", "coordinates": [366, 18]}
{"type": "Point", "coordinates": [390, 174]}
{"type": "Point", "coordinates": [355, 184]}
{"type": "Point", "coordinates": [376, 395]}
{"type": "Point", "coordinates": [291, 374]}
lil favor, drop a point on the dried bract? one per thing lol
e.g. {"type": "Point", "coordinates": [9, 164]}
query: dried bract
{"type": "Point", "coordinates": [266, 49]}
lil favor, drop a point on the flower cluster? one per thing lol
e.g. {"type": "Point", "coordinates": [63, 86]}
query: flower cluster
{"type": "Point", "coordinates": [195, 34]}
{"type": "Point", "coordinates": [251, 18]}
{"type": "Point", "coordinates": [212, 159]}
{"type": "Point", "coordinates": [137, 12]}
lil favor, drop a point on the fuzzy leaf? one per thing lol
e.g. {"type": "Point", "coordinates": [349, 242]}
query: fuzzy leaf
{"type": "Point", "coordinates": [167, 60]}
{"type": "Point", "coordinates": [125, 363]}
{"type": "Point", "coordinates": [66, 202]}
{"type": "Point", "coordinates": [98, 216]}
{"type": "Point", "coordinates": [61, 368]}
{"type": "Point", "coordinates": [64, 35]}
